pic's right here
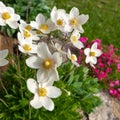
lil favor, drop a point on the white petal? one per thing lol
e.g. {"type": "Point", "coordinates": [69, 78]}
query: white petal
{"type": "Point", "coordinates": [78, 44]}
{"type": "Point", "coordinates": [2, 22]}
{"type": "Point", "coordinates": [53, 92]}
{"type": "Point", "coordinates": [80, 29]}
{"type": "Point", "coordinates": [83, 19]}
{"type": "Point", "coordinates": [15, 17]}
{"type": "Point", "coordinates": [43, 50]}
{"type": "Point", "coordinates": [74, 11]}
{"type": "Point", "coordinates": [34, 24]}
{"type": "Point", "coordinates": [3, 53]}
{"type": "Point", "coordinates": [87, 60]}
{"type": "Point", "coordinates": [93, 60]}
{"type": "Point", "coordinates": [47, 103]}
{"type": "Point", "coordinates": [42, 75]}
{"type": "Point", "coordinates": [13, 24]}
{"type": "Point", "coordinates": [33, 62]}
{"type": "Point", "coordinates": [40, 18]}
{"type": "Point", "coordinates": [87, 51]}
{"type": "Point", "coordinates": [98, 52]}
{"type": "Point", "coordinates": [2, 4]}
{"type": "Point", "coordinates": [36, 103]}
{"type": "Point", "coordinates": [48, 83]}
{"type": "Point", "coordinates": [32, 85]}
{"type": "Point", "coordinates": [53, 74]}
{"type": "Point", "coordinates": [10, 9]}
{"type": "Point", "coordinates": [94, 46]}
{"type": "Point", "coordinates": [3, 62]}
{"type": "Point", "coordinates": [57, 59]}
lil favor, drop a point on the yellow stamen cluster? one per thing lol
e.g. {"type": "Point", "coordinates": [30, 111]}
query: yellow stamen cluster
{"type": "Point", "coordinates": [47, 64]}
{"type": "Point", "coordinates": [73, 57]}
{"type": "Point", "coordinates": [74, 39]}
{"type": "Point", "coordinates": [26, 34]}
{"type": "Point", "coordinates": [73, 22]}
{"type": "Point", "coordinates": [6, 15]}
{"type": "Point", "coordinates": [42, 92]}
{"type": "Point", "coordinates": [92, 54]}
{"type": "Point", "coordinates": [28, 27]}
{"type": "Point", "coordinates": [59, 22]}
{"type": "Point", "coordinates": [27, 47]}
{"type": "Point", "coordinates": [44, 27]}
{"type": "Point", "coordinates": [38, 32]}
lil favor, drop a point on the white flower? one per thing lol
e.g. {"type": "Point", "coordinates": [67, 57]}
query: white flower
{"type": "Point", "coordinates": [75, 40]}
{"type": "Point", "coordinates": [3, 54]}
{"type": "Point", "coordinates": [25, 45]}
{"type": "Point", "coordinates": [43, 25]}
{"type": "Point", "coordinates": [43, 92]}
{"type": "Point", "coordinates": [31, 35]}
{"type": "Point", "coordinates": [60, 18]}
{"type": "Point", "coordinates": [72, 57]}
{"type": "Point", "coordinates": [8, 16]}
{"type": "Point", "coordinates": [45, 62]}
{"type": "Point", "coordinates": [76, 21]}
{"type": "Point", "coordinates": [92, 54]}
{"type": "Point", "coordinates": [23, 25]}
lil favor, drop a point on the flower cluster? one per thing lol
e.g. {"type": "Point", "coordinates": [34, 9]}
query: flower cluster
{"type": "Point", "coordinates": [114, 89]}
{"type": "Point", "coordinates": [107, 67]}
{"type": "Point", "coordinates": [45, 52]}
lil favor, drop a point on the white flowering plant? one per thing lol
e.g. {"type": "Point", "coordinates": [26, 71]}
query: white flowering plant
{"type": "Point", "coordinates": [45, 80]}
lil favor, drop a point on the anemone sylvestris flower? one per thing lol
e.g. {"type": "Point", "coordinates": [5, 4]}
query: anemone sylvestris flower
{"type": "Point", "coordinates": [45, 62]}
{"type": "Point", "coordinates": [92, 54]}
{"type": "Point", "coordinates": [8, 16]}
{"type": "Point", "coordinates": [43, 92]}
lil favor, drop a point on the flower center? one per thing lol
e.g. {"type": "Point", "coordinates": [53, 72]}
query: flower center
{"type": "Point", "coordinates": [26, 34]}
{"type": "Point", "coordinates": [28, 27]}
{"type": "Point", "coordinates": [44, 27]}
{"type": "Point", "coordinates": [74, 39]}
{"type": "Point", "coordinates": [73, 57]}
{"type": "Point", "coordinates": [42, 92]}
{"type": "Point", "coordinates": [47, 64]}
{"type": "Point", "coordinates": [6, 16]}
{"type": "Point", "coordinates": [73, 22]}
{"type": "Point", "coordinates": [38, 32]}
{"type": "Point", "coordinates": [92, 54]}
{"type": "Point", "coordinates": [27, 47]}
{"type": "Point", "coordinates": [59, 22]}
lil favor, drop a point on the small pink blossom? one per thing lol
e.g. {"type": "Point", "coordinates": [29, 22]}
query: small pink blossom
{"type": "Point", "coordinates": [117, 83]}
{"type": "Point", "coordinates": [112, 84]}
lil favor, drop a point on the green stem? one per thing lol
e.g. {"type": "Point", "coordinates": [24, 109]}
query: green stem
{"type": "Point", "coordinates": [19, 74]}
{"type": "Point", "coordinates": [29, 111]}
{"type": "Point", "coordinates": [3, 86]}
{"type": "Point", "coordinates": [4, 102]}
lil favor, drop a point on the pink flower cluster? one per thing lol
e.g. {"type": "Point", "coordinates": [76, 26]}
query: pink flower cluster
{"type": "Point", "coordinates": [107, 67]}
{"type": "Point", "coordinates": [114, 89]}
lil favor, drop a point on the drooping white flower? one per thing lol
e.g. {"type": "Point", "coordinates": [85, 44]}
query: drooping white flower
{"type": "Point", "coordinates": [26, 45]}
{"type": "Point", "coordinates": [72, 57]}
{"type": "Point", "coordinates": [60, 18]}
{"type": "Point", "coordinates": [8, 16]}
{"type": "Point", "coordinates": [92, 54]}
{"type": "Point", "coordinates": [45, 62]}
{"type": "Point", "coordinates": [45, 26]}
{"type": "Point", "coordinates": [76, 21]}
{"type": "Point", "coordinates": [3, 54]}
{"type": "Point", "coordinates": [75, 40]}
{"type": "Point", "coordinates": [43, 92]}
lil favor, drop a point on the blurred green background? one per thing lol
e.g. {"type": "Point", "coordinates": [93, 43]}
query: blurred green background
{"type": "Point", "coordinates": [104, 15]}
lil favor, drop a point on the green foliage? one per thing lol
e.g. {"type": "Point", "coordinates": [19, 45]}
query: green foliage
{"type": "Point", "coordinates": [77, 87]}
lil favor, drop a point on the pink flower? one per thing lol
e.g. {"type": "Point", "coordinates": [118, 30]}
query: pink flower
{"type": "Point", "coordinates": [83, 39]}
{"type": "Point", "coordinates": [118, 95]}
{"type": "Point", "coordinates": [111, 84]}
{"type": "Point", "coordinates": [117, 83]}
{"type": "Point", "coordinates": [118, 67]}
{"type": "Point", "coordinates": [118, 90]}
